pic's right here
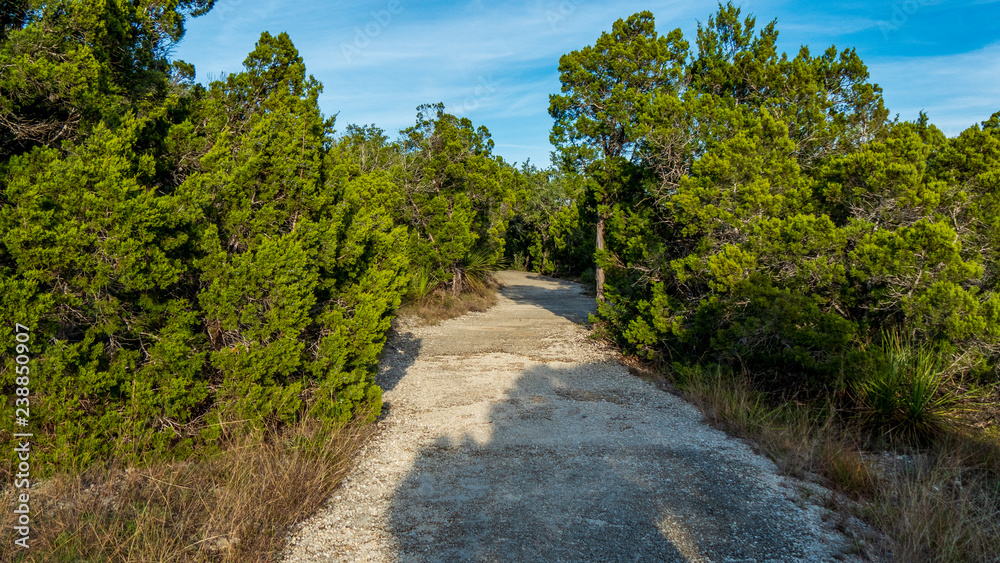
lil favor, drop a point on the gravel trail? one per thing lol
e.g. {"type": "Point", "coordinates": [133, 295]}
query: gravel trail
{"type": "Point", "coordinates": [511, 436]}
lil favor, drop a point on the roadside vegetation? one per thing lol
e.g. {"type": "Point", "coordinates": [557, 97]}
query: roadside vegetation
{"type": "Point", "coordinates": [440, 305]}
{"type": "Point", "coordinates": [816, 276]}
{"type": "Point", "coordinates": [208, 272]}
{"type": "Point", "coordinates": [939, 501]}
{"type": "Point", "coordinates": [238, 506]}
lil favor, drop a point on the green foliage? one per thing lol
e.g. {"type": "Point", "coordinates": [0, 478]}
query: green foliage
{"type": "Point", "coordinates": [547, 231]}
{"type": "Point", "coordinates": [96, 251]}
{"type": "Point", "coordinates": [758, 211]}
{"type": "Point", "coordinates": [478, 269]}
{"type": "Point", "coordinates": [905, 395]}
{"type": "Point", "coordinates": [197, 268]}
{"type": "Point", "coordinates": [66, 65]}
{"type": "Point", "coordinates": [457, 197]}
{"type": "Point", "coordinates": [609, 93]}
{"type": "Point", "coordinates": [422, 282]}
{"type": "Point", "coordinates": [199, 262]}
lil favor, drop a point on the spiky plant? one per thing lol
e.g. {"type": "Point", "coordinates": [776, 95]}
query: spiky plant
{"type": "Point", "coordinates": [477, 271]}
{"type": "Point", "coordinates": [422, 282]}
{"type": "Point", "coordinates": [907, 397]}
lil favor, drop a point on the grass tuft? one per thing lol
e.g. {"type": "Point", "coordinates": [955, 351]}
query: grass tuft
{"type": "Point", "coordinates": [937, 501]}
{"type": "Point", "coordinates": [441, 305]}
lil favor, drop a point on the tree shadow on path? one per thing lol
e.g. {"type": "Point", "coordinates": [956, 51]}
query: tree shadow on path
{"type": "Point", "coordinates": [571, 473]}
{"type": "Point", "coordinates": [400, 351]}
{"type": "Point", "coordinates": [559, 297]}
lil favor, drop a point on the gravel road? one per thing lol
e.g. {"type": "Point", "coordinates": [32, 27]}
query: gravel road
{"type": "Point", "coordinates": [511, 436]}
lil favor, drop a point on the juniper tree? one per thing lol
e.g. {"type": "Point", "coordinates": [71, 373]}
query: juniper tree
{"type": "Point", "coordinates": [197, 260]}
{"type": "Point", "coordinates": [302, 266]}
{"type": "Point", "coordinates": [66, 65]}
{"type": "Point", "coordinates": [546, 228]}
{"type": "Point", "coordinates": [458, 197]}
{"type": "Point", "coordinates": [608, 90]}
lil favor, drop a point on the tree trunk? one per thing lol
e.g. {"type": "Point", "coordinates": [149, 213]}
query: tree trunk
{"type": "Point", "coordinates": [456, 282]}
{"type": "Point", "coordinates": [599, 271]}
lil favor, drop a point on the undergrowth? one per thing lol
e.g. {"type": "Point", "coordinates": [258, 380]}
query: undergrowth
{"type": "Point", "coordinates": [432, 301]}
{"type": "Point", "coordinates": [237, 506]}
{"type": "Point", "coordinates": [441, 305]}
{"type": "Point", "coordinates": [907, 395]}
{"type": "Point", "coordinates": [932, 488]}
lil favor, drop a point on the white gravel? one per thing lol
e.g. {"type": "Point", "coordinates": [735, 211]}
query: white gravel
{"type": "Point", "coordinates": [512, 436]}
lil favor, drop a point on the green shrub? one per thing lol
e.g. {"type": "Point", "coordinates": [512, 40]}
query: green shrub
{"type": "Point", "coordinates": [226, 281]}
{"type": "Point", "coordinates": [519, 262]}
{"type": "Point", "coordinates": [906, 396]}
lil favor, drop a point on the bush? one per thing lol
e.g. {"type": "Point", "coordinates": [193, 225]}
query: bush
{"type": "Point", "coordinates": [906, 396]}
{"type": "Point", "coordinates": [230, 282]}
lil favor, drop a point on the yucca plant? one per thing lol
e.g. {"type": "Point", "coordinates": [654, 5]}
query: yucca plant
{"type": "Point", "coordinates": [477, 271]}
{"type": "Point", "coordinates": [906, 396]}
{"type": "Point", "coordinates": [422, 282]}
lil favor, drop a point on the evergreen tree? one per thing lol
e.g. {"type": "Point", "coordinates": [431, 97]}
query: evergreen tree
{"type": "Point", "coordinates": [601, 117]}
{"type": "Point", "coordinates": [457, 196]}
{"type": "Point", "coordinates": [199, 261]}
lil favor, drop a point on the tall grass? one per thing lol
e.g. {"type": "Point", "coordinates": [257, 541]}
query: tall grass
{"type": "Point", "coordinates": [937, 503]}
{"type": "Point", "coordinates": [945, 506]}
{"type": "Point", "coordinates": [475, 272]}
{"type": "Point", "coordinates": [237, 506]}
{"type": "Point", "coordinates": [432, 301]}
{"type": "Point", "coordinates": [441, 305]}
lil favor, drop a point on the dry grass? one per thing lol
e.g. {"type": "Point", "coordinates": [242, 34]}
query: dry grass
{"type": "Point", "coordinates": [237, 506]}
{"type": "Point", "coordinates": [441, 305]}
{"type": "Point", "coordinates": [936, 504]}
{"type": "Point", "coordinates": [946, 505]}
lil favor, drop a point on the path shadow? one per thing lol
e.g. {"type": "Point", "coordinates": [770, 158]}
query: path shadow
{"type": "Point", "coordinates": [569, 474]}
{"type": "Point", "coordinates": [400, 351]}
{"type": "Point", "coordinates": [565, 299]}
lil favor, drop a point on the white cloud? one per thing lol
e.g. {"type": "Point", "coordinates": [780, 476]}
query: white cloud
{"type": "Point", "coordinates": [495, 63]}
{"type": "Point", "coordinates": [956, 91]}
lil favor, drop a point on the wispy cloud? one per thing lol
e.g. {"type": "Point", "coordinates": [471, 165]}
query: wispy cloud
{"type": "Point", "coordinates": [496, 63]}
{"type": "Point", "coordinates": [956, 91]}
{"type": "Point", "coordinates": [490, 62]}
{"type": "Point", "coordinates": [829, 27]}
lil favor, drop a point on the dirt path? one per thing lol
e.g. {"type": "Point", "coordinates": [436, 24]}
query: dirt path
{"type": "Point", "coordinates": [511, 436]}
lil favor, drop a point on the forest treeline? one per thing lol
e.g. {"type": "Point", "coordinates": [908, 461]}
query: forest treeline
{"type": "Point", "coordinates": [194, 261]}
{"type": "Point", "coordinates": [197, 260]}
{"type": "Point", "coordinates": [762, 214]}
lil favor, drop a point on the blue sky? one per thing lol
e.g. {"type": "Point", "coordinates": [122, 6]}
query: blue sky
{"type": "Point", "coordinates": [496, 63]}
